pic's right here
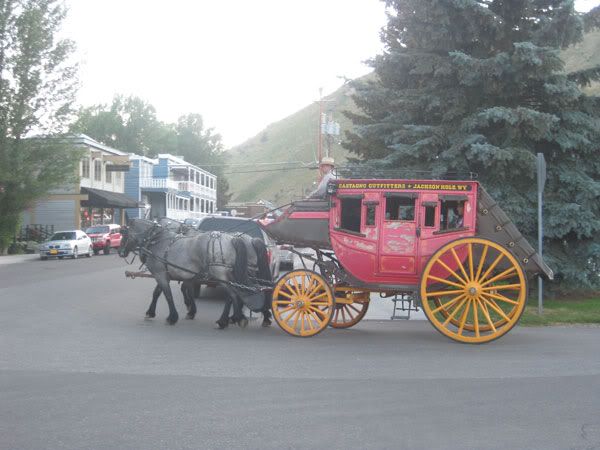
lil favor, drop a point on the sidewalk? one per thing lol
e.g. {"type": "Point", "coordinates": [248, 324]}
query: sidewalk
{"type": "Point", "coordinates": [14, 259]}
{"type": "Point", "coordinates": [382, 309]}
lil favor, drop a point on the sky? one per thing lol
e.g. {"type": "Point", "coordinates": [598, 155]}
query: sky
{"type": "Point", "coordinates": [241, 64]}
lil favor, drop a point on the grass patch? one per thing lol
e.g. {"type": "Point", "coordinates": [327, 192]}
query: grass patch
{"type": "Point", "coordinates": [562, 311]}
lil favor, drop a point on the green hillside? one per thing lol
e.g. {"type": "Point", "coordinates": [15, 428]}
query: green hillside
{"type": "Point", "coordinates": [583, 56]}
{"type": "Point", "coordinates": [295, 139]}
{"type": "Point", "coordinates": [291, 139]}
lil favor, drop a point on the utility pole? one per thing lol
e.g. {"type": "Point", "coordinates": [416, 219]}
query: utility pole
{"type": "Point", "coordinates": [541, 182]}
{"type": "Point", "coordinates": [320, 130]}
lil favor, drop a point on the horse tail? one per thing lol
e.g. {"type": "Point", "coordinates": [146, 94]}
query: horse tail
{"type": "Point", "coordinates": [240, 266]}
{"type": "Point", "coordinates": [262, 259]}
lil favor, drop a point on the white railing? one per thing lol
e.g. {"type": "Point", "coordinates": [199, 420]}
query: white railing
{"type": "Point", "coordinates": [180, 215]}
{"type": "Point", "coordinates": [159, 183]}
{"type": "Point", "coordinates": [190, 186]}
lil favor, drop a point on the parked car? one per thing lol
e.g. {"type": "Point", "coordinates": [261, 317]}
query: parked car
{"type": "Point", "coordinates": [105, 237]}
{"type": "Point", "coordinates": [191, 222]}
{"type": "Point", "coordinates": [286, 259]}
{"type": "Point", "coordinates": [67, 243]}
{"type": "Point", "coordinates": [243, 225]}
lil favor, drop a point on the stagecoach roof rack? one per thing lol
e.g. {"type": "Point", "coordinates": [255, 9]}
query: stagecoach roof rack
{"type": "Point", "coordinates": [370, 172]}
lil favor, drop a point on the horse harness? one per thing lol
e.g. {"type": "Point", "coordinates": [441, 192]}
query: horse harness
{"type": "Point", "coordinates": [151, 238]}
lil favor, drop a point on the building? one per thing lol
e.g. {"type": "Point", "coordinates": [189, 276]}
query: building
{"type": "Point", "coordinates": [98, 197]}
{"type": "Point", "coordinates": [168, 186]}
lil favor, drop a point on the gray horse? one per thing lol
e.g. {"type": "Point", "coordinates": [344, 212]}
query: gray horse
{"type": "Point", "coordinates": [218, 257]}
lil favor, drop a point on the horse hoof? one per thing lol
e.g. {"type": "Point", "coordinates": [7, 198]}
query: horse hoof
{"type": "Point", "coordinates": [243, 322]}
{"type": "Point", "coordinates": [190, 316]}
{"type": "Point", "coordinates": [220, 326]}
{"type": "Point", "coordinates": [266, 323]}
{"type": "Point", "coordinates": [172, 320]}
{"type": "Point", "coordinates": [150, 315]}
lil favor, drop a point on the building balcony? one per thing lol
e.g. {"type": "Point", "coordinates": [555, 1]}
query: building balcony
{"type": "Point", "coordinates": [159, 183]}
{"type": "Point", "coordinates": [194, 188]}
{"type": "Point", "coordinates": [181, 215]}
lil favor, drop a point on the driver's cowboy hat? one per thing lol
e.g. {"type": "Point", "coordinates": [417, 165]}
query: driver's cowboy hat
{"type": "Point", "coordinates": [327, 161]}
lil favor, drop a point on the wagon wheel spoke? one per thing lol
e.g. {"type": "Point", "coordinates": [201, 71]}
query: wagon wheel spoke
{"type": "Point", "coordinates": [500, 297]}
{"type": "Point", "coordinates": [448, 304]}
{"type": "Point", "coordinates": [451, 316]}
{"type": "Point", "coordinates": [470, 249]}
{"type": "Point", "coordinates": [452, 272]}
{"type": "Point", "coordinates": [502, 287]}
{"type": "Point", "coordinates": [463, 319]}
{"type": "Point", "coordinates": [492, 266]}
{"type": "Point", "coordinates": [481, 261]}
{"type": "Point", "coordinates": [501, 276]}
{"type": "Point", "coordinates": [450, 283]}
{"type": "Point", "coordinates": [486, 314]}
{"type": "Point", "coordinates": [441, 293]}
{"type": "Point", "coordinates": [459, 263]}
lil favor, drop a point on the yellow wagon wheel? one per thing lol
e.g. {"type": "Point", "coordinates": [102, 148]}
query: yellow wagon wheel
{"type": "Point", "coordinates": [473, 290]}
{"type": "Point", "coordinates": [303, 303]}
{"type": "Point", "coordinates": [350, 307]}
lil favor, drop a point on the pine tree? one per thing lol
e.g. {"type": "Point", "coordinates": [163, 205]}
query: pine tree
{"type": "Point", "coordinates": [37, 88]}
{"type": "Point", "coordinates": [479, 86]}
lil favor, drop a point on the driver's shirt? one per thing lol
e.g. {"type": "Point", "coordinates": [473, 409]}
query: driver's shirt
{"type": "Point", "coordinates": [322, 188]}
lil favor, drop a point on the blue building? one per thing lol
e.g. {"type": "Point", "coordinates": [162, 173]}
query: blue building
{"type": "Point", "coordinates": [170, 187]}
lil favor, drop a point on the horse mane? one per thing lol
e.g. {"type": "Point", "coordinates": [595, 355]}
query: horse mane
{"type": "Point", "coordinates": [264, 272]}
{"type": "Point", "coordinates": [240, 267]}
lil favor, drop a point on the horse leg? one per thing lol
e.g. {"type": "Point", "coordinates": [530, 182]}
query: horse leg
{"type": "Point", "coordinates": [238, 314]}
{"type": "Point", "coordinates": [266, 317]}
{"type": "Point", "coordinates": [163, 282]}
{"type": "Point", "coordinates": [223, 321]}
{"type": "Point", "coordinates": [187, 291]}
{"type": "Point", "coordinates": [152, 308]}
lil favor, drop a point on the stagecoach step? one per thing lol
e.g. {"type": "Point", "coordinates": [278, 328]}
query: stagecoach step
{"type": "Point", "coordinates": [403, 305]}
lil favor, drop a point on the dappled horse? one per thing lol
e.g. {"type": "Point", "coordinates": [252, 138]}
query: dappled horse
{"type": "Point", "coordinates": [213, 256]}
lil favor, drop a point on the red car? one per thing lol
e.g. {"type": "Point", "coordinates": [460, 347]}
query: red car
{"type": "Point", "coordinates": [105, 237]}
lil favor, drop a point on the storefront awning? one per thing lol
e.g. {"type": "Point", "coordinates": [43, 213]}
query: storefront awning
{"type": "Point", "coordinates": [98, 198]}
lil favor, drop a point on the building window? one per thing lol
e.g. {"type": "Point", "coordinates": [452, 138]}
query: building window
{"type": "Point", "coordinates": [108, 176]}
{"type": "Point", "coordinates": [212, 183]}
{"type": "Point", "coordinates": [85, 168]}
{"type": "Point", "coordinates": [202, 179]}
{"type": "Point", "coordinates": [118, 178]}
{"type": "Point", "coordinates": [97, 170]}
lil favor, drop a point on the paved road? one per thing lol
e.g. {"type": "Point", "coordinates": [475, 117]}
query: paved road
{"type": "Point", "coordinates": [81, 369]}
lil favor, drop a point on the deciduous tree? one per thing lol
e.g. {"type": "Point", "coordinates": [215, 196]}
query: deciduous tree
{"type": "Point", "coordinates": [37, 88]}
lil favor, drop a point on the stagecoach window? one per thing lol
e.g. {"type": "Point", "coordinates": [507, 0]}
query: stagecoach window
{"type": "Point", "coordinates": [399, 208]}
{"type": "Point", "coordinates": [370, 215]}
{"type": "Point", "coordinates": [452, 214]}
{"type": "Point", "coordinates": [429, 216]}
{"type": "Point", "coordinates": [350, 214]}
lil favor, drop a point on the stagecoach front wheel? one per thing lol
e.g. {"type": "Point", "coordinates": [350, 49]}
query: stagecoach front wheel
{"type": "Point", "coordinates": [473, 290]}
{"type": "Point", "coordinates": [303, 303]}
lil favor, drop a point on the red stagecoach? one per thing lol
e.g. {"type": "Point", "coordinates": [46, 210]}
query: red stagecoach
{"type": "Point", "coordinates": [446, 245]}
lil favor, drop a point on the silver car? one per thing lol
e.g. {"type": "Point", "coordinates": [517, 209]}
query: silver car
{"type": "Point", "coordinates": [71, 243]}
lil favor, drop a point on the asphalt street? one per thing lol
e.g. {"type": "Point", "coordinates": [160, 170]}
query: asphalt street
{"type": "Point", "coordinates": [80, 368]}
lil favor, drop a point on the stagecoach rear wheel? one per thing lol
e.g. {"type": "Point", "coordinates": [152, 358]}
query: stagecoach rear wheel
{"type": "Point", "coordinates": [303, 303]}
{"type": "Point", "coordinates": [473, 290]}
{"type": "Point", "coordinates": [350, 307]}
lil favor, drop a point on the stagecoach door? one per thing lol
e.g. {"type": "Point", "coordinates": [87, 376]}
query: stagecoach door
{"type": "Point", "coordinates": [398, 240]}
